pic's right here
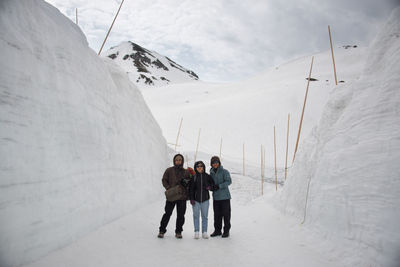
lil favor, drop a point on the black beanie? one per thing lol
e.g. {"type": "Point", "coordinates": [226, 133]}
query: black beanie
{"type": "Point", "coordinates": [215, 158]}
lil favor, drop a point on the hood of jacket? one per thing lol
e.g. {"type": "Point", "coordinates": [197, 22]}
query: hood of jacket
{"type": "Point", "coordinates": [183, 161]}
{"type": "Point", "coordinates": [197, 163]}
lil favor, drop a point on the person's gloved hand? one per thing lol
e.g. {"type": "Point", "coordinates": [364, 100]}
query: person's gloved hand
{"type": "Point", "coordinates": [216, 187]}
{"type": "Point", "coordinates": [192, 202]}
{"type": "Point", "coordinates": [185, 182]}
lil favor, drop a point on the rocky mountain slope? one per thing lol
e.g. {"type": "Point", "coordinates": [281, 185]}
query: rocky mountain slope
{"type": "Point", "coordinates": [148, 68]}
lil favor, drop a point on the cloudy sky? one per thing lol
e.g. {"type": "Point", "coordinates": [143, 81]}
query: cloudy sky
{"type": "Point", "coordinates": [230, 40]}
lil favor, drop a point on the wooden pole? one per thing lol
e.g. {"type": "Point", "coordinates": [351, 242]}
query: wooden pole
{"type": "Point", "coordinates": [287, 144]}
{"type": "Point", "coordinates": [220, 149]}
{"type": "Point", "coordinates": [179, 131]}
{"type": "Point", "coordinates": [109, 30]}
{"type": "Point", "coordinates": [333, 57]}
{"type": "Point", "coordinates": [76, 16]}
{"type": "Point", "coordinates": [264, 162]}
{"type": "Point", "coordinates": [262, 172]}
{"type": "Point", "coordinates": [302, 113]}
{"type": "Point", "coordinates": [244, 173]}
{"type": "Point", "coordinates": [197, 147]}
{"type": "Point", "coordinates": [276, 174]}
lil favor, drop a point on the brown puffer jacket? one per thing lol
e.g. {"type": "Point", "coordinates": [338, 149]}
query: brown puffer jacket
{"type": "Point", "coordinates": [174, 175]}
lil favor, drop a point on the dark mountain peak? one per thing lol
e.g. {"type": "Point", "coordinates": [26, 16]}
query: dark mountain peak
{"type": "Point", "coordinates": [148, 67]}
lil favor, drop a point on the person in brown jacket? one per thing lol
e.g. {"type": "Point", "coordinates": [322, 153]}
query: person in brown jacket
{"type": "Point", "coordinates": [175, 175]}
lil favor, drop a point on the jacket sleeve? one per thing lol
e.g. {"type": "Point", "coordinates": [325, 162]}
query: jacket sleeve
{"type": "Point", "coordinates": [210, 180]}
{"type": "Point", "coordinates": [191, 189]}
{"type": "Point", "coordinates": [227, 180]}
{"type": "Point", "coordinates": [165, 179]}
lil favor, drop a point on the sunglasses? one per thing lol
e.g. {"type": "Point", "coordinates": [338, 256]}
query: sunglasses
{"type": "Point", "coordinates": [214, 162]}
{"type": "Point", "coordinates": [200, 166]}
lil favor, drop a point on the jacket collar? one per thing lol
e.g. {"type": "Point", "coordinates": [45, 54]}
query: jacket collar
{"type": "Point", "coordinates": [219, 168]}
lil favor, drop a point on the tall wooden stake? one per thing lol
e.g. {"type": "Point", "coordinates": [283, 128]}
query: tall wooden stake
{"type": "Point", "coordinates": [179, 131]}
{"type": "Point", "coordinates": [287, 144]}
{"type": "Point", "coordinates": [244, 173]}
{"type": "Point", "coordinates": [262, 170]}
{"type": "Point", "coordinates": [76, 16]}
{"type": "Point", "coordinates": [220, 149]}
{"type": "Point", "coordinates": [197, 147]}
{"type": "Point", "coordinates": [276, 174]}
{"type": "Point", "coordinates": [333, 57]}
{"type": "Point", "coordinates": [109, 30]}
{"type": "Point", "coordinates": [264, 162]}
{"type": "Point", "coordinates": [302, 113]}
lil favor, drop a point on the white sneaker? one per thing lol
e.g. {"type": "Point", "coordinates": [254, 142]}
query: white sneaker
{"type": "Point", "coordinates": [196, 235]}
{"type": "Point", "coordinates": [205, 236]}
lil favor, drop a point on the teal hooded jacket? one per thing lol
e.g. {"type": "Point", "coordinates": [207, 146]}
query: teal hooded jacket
{"type": "Point", "coordinates": [222, 178]}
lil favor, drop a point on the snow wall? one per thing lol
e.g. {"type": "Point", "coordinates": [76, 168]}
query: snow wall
{"type": "Point", "coordinates": [350, 162]}
{"type": "Point", "coordinates": [78, 145]}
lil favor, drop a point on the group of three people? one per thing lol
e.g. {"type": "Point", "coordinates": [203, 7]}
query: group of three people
{"type": "Point", "coordinates": [196, 189]}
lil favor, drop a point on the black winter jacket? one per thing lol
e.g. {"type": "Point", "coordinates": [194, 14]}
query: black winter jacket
{"type": "Point", "coordinates": [198, 184]}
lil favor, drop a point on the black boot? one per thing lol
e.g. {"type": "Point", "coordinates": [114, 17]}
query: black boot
{"type": "Point", "coordinates": [225, 234]}
{"type": "Point", "coordinates": [215, 234]}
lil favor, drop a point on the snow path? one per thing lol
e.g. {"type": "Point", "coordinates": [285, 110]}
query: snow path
{"type": "Point", "coordinates": [260, 236]}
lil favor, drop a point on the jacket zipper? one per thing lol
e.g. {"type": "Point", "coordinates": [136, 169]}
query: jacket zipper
{"type": "Point", "coordinates": [201, 188]}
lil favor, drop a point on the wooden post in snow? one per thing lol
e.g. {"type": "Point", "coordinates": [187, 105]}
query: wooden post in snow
{"type": "Point", "coordinates": [264, 162]}
{"type": "Point", "coordinates": [109, 30]}
{"type": "Point", "coordinates": [179, 131]}
{"type": "Point", "coordinates": [76, 16]}
{"type": "Point", "coordinates": [197, 147]}
{"type": "Point", "coordinates": [220, 149]}
{"type": "Point", "coordinates": [276, 174]}
{"type": "Point", "coordinates": [302, 113]}
{"type": "Point", "coordinates": [244, 173]}
{"type": "Point", "coordinates": [287, 144]}
{"type": "Point", "coordinates": [333, 57]}
{"type": "Point", "coordinates": [261, 168]}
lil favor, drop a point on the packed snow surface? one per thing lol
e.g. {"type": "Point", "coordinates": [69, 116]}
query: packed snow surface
{"type": "Point", "coordinates": [246, 112]}
{"type": "Point", "coordinates": [348, 166]}
{"type": "Point", "coordinates": [80, 149]}
{"type": "Point", "coordinates": [76, 137]}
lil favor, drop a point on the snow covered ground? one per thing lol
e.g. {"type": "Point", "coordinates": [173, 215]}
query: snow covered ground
{"type": "Point", "coordinates": [348, 167]}
{"type": "Point", "coordinates": [80, 149]}
{"type": "Point", "coordinates": [246, 112]}
{"type": "Point", "coordinates": [261, 236]}
{"type": "Point", "coordinates": [76, 137]}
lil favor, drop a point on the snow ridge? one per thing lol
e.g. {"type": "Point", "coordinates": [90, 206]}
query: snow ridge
{"type": "Point", "coordinates": [76, 137]}
{"type": "Point", "coordinates": [351, 157]}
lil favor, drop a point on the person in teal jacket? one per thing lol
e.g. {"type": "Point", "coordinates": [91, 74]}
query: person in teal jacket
{"type": "Point", "coordinates": [221, 198]}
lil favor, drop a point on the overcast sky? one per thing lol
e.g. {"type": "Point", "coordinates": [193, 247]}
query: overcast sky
{"type": "Point", "coordinates": [230, 40]}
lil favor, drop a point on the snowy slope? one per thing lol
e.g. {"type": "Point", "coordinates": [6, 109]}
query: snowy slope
{"type": "Point", "coordinates": [77, 140]}
{"type": "Point", "coordinates": [260, 236]}
{"type": "Point", "coordinates": [350, 162]}
{"type": "Point", "coordinates": [246, 112]}
{"type": "Point", "coordinates": [148, 68]}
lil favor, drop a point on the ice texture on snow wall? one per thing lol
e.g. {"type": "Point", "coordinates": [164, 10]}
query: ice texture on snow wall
{"type": "Point", "coordinates": [78, 145]}
{"type": "Point", "coordinates": [350, 161]}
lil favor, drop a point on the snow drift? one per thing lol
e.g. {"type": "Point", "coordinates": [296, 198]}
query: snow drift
{"type": "Point", "coordinates": [78, 145]}
{"type": "Point", "coordinates": [247, 111]}
{"type": "Point", "coordinates": [350, 162]}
